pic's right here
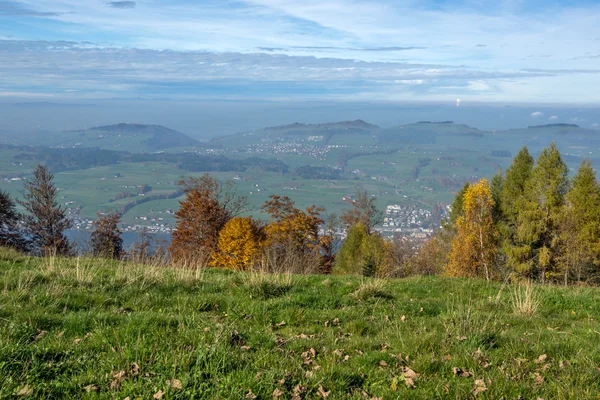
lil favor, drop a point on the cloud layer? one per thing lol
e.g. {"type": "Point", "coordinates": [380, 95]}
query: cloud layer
{"type": "Point", "coordinates": [372, 50]}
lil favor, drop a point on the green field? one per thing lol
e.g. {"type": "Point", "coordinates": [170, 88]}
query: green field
{"type": "Point", "coordinates": [85, 328]}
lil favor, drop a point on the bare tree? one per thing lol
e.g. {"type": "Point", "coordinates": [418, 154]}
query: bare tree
{"type": "Point", "coordinates": [45, 221]}
{"type": "Point", "coordinates": [363, 211]}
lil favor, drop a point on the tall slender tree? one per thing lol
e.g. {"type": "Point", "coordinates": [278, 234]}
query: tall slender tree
{"type": "Point", "coordinates": [11, 233]}
{"type": "Point", "coordinates": [474, 246]}
{"type": "Point", "coordinates": [45, 221]}
{"type": "Point", "coordinates": [540, 214]}
{"type": "Point", "coordinates": [580, 227]}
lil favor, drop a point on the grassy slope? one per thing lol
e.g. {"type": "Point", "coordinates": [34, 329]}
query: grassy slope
{"type": "Point", "coordinates": [100, 318]}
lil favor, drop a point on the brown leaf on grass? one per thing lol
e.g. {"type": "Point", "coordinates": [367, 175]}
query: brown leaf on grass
{"type": "Point", "coordinates": [478, 357]}
{"type": "Point", "coordinates": [338, 352]}
{"type": "Point", "coordinates": [383, 363]}
{"type": "Point", "coordinates": [546, 367]}
{"type": "Point", "coordinates": [40, 335]}
{"type": "Point", "coordinates": [541, 359]}
{"type": "Point", "coordinates": [409, 373]}
{"type": "Point", "coordinates": [322, 393]}
{"type": "Point", "coordinates": [309, 374]}
{"type": "Point", "coordinates": [60, 334]}
{"type": "Point", "coordinates": [119, 375]}
{"type": "Point", "coordinates": [539, 379]}
{"type": "Point", "coordinates": [175, 384]}
{"type": "Point", "coordinates": [480, 387]}
{"type": "Point", "coordinates": [25, 391]}
{"type": "Point", "coordinates": [346, 357]}
{"type": "Point", "coordinates": [277, 393]}
{"type": "Point", "coordinates": [460, 372]}
{"type": "Point", "coordinates": [134, 369]}
{"type": "Point", "coordinates": [91, 388]}
{"type": "Point", "coordinates": [158, 395]}
{"type": "Point", "coordinates": [115, 384]}
{"type": "Point", "coordinates": [564, 364]}
{"type": "Point", "coordinates": [250, 395]}
{"type": "Point", "coordinates": [245, 348]}
{"type": "Point", "coordinates": [461, 338]}
{"type": "Point", "coordinates": [403, 318]}
{"type": "Point", "coordinates": [279, 325]}
{"type": "Point", "coordinates": [279, 341]}
{"type": "Point", "coordinates": [409, 382]}
{"type": "Point", "coordinates": [447, 357]}
{"type": "Point", "coordinates": [297, 392]}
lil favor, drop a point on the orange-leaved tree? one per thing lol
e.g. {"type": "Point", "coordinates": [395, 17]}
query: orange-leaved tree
{"type": "Point", "coordinates": [208, 205]}
{"type": "Point", "coordinates": [474, 246]}
{"type": "Point", "coordinates": [291, 224]}
{"type": "Point", "coordinates": [239, 244]}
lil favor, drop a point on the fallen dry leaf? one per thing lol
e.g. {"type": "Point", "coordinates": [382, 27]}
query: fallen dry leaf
{"type": "Point", "coordinates": [282, 323]}
{"type": "Point", "coordinates": [409, 373]}
{"type": "Point", "coordinates": [541, 359]}
{"type": "Point", "coordinates": [277, 393]}
{"type": "Point", "coordinates": [91, 388]}
{"type": "Point", "coordinates": [60, 334]}
{"type": "Point", "coordinates": [25, 391]}
{"type": "Point", "coordinates": [480, 387]}
{"type": "Point", "coordinates": [250, 395]}
{"type": "Point", "coordinates": [346, 357]}
{"type": "Point", "coordinates": [115, 384]}
{"type": "Point", "coordinates": [460, 372]}
{"type": "Point", "coordinates": [546, 367]}
{"type": "Point", "coordinates": [245, 348]}
{"type": "Point", "coordinates": [539, 379]}
{"type": "Point", "coordinates": [409, 382]}
{"type": "Point", "coordinates": [175, 384]}
{"type": "Point", "coordinates": [119, 375]}
{"type": "Point", "coordinates": [158, 395]}
{"type": "Point", "coordinates": [382, 363]}
{"type": "Point", "coordinates": [564, 364]}
{"type": "Point", "coordinates": [322, 393]}
{"type": "Point", "coordinates": [461, 338]}
{"type": "Point", "coordinates": [447, 357]}
{"type": "Point", "coordinates": [76, 341]}
{"type": "Point", "coordinates": [403, 318]}
{"type": "Point", "coordinates": [134, 369]}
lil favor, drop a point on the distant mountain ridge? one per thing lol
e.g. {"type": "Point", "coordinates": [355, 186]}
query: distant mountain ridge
{"type": "Point", "coordinates": [160, 137]}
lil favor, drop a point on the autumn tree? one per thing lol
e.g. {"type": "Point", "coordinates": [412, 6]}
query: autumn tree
{"type": "Point", "coordinates": [106, 238]}
{"type": "Point", "coordinates": [291, 224]}
{"type": "Point", "coordinates": [580, 226]}
{"type": "Point", "coordinates": [239, 244]}
{"type": "Point", "coordinates": [474, 246]}
{"type": "Point", "coordinates": [45, 221]}
{"type": "Point", "coordinates": [11, 233]}
{"type": "Point", "coordinates": [456, 209]}
{"type": "Point", "coordinates": [208, 205]}
{"type": "Point", "coordinates": [364, 211]}
{"type": "Point", "coordinates": [540, 214]}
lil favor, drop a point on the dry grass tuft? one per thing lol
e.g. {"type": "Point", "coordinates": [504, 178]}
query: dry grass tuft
{"type": "Point", "coordinates": [372, 289]}
{"type": "Point", "coordinates": [525, 301]}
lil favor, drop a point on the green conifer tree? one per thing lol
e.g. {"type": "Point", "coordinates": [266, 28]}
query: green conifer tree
{"type": "Point", "coordinates": [580, 228]}
{"type": "Point", "coordinates": [540, 214]}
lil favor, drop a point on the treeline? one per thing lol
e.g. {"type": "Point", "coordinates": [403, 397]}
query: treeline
{"type": "Point", "coordinates": [530, 222]}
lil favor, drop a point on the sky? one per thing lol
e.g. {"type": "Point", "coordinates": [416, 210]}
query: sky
{"type": "Point", "coordinates": [506, 52]}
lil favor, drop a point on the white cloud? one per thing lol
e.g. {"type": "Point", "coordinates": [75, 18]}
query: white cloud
{"type": "Point", "coordinates": [537, 114]}
{"type": "Point", "coordinates": [553, 118]}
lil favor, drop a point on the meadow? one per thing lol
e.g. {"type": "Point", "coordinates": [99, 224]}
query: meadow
{"type": "Point", "coordinates": [91, 328]}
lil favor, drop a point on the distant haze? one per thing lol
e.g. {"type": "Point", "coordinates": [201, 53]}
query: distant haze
{"type": "Point", "coordinates": [204, 120]}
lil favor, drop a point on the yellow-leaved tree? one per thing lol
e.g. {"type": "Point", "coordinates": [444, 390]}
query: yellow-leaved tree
{"type": "Point", "coordinates": [239, 244]}
{"type": "Point", "coordinates": [474, 246]}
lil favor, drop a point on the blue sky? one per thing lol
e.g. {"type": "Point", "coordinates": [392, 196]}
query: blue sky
{"type": "Point", "coordinates": [336, 50]}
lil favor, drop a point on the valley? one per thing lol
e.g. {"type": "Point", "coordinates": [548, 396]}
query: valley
{"type": "Point", "coordinates": [415, 168]}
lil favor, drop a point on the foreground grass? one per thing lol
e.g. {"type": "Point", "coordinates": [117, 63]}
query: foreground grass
{"type": "Point", "coordinates": [86, 328]}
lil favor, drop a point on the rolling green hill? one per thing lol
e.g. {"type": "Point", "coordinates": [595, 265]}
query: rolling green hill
{"type": "Point", "coordinates": [87, 328]}
{"type": "Point", "coordinates": [136, 138]}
